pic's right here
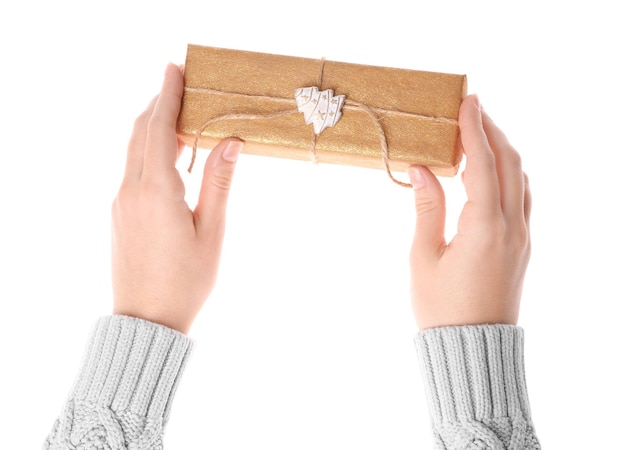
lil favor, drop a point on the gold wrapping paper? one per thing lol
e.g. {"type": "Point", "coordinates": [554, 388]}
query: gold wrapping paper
{"type": "Point", "coordinates": [417, 110]}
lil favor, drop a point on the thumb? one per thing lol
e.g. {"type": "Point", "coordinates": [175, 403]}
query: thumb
{"type": "Point", "coordinates": [216, 180]}
{"type": "Point", "coordinates": [430, 206]}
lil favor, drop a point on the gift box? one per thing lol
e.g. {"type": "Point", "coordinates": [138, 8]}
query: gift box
{"type": "Point", "coordinates": [320, 110]}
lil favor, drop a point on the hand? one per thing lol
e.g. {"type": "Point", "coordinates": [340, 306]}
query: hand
{"type": "Point", "coordinates": [477, 278]}
{"type": "Point", "coordinates": [165, 256]}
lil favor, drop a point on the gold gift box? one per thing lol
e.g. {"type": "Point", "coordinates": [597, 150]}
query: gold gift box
{"type": "Point", "coordinates": [250, 95]}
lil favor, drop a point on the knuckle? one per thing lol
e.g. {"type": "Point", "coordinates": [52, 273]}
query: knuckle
{"type": "Point", "coordinates": [155, 122]}
{"type": "Point", "coordinates": [152, 190]}
{"type": "Point", "coordinates": [140, 121]}
{"type": "Point", "coordinates": [501, 237]}
{"type": "Point", "coordinates": [519, 237]}
{"type": "Point", "coordinates": [123, 201]}
{"type": "Point", "coordinates": [158, 120]}
{"type": "Point", "coordinates": [492, 236]}
{"type": "Point", "coordinates": [221, 180]}
{"type": "Point", "coordinates": [426, 205]}
{"type": "Point", "coordinates": [498, 229]}
{"type": "Point", "coordinates": [123, 194]}
{"type": "Point", "coordinates": [489, 161]}
{"type": "Point", "coordinates": [516, 159]}
{"type": "Point", "coordinates": [518, 240]}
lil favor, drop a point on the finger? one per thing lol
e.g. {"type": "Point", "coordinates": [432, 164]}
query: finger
{"type": "Point", "coordinates": [430, 206]}
{"type": "Point", "coordinates": [161, 140]}
{"type": "Point", "coordinates": [480, 178]}
{"type": "Point", "coordinates": [136, 145]}
{"type": "Point", "coordinates": [216, 180]}
{"type": "Point", "coordinates": [509, 167]}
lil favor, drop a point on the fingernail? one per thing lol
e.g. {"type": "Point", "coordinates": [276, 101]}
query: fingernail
{"type": "Point", "coordinates": [169, 67]}
{"type": "Point", "coordinates": [417, 178]}
{"type": "Point", "coordinates": [232, 150]}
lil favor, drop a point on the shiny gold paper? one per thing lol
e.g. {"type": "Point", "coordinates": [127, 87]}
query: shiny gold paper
{"type": "Point", "coordinates": [221, 82]}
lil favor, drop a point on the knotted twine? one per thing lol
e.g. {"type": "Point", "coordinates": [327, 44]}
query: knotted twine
{"type": "Point", "coordinates": [349, 104]}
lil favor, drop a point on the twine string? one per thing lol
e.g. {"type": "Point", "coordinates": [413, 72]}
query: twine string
{"type": "Point", "coordinates": [349, 104]}
{"type": "Point", "coordinates": [383, 140]}
{"type": "Point", "coordinates": [320, 75]}
{"type": "Point", "coordinates": [230, 117]}
{"type": "Point", "coordinates": [320, 80]}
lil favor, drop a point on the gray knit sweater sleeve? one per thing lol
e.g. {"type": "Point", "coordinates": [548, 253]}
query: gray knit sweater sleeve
{"type": "Point", "coordinates": [476, 387]}
{"type": "Point", "coordinates": [474, 378]}
{"type": "Point", "coordinates": [124, 390]}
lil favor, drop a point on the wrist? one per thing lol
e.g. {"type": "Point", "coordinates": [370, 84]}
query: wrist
{"type": "Point", "coordinates": [172, 321]}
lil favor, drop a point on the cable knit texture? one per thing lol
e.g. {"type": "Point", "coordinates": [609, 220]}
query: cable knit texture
{"type": "Point", "coordinates": [476, 387]}
{"type": "Point", "coordinates": [123, 394]}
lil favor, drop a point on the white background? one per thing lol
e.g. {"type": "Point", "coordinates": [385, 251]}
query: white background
{"type": "Point", "coordinates": [306, 342]}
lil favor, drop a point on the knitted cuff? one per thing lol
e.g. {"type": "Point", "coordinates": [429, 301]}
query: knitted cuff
{"type": "Point", "coordinates": [132, 365]}
{"type": "Point", "coordinates": [474, 373]}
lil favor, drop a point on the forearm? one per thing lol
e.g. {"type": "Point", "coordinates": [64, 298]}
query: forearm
{"type": "Point", "coordinates": [476, 387]}
{"type": "Point", "coordinates": [124, 390]}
